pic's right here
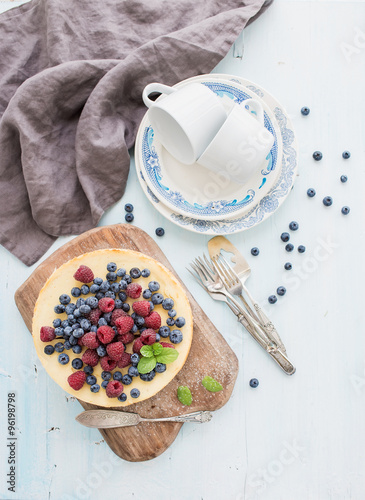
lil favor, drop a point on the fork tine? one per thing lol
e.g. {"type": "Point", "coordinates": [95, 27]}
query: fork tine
{"type": "Point", "coordinates": [198, 271]}
{"type": "Point", "coordinates": [230, 271]}
{"type": "Point", "coordinates": [210, 266]}
{"type": "Point", "coordinates": [207, 271]}
{"type": "Point", "coordinates": [220, 270]}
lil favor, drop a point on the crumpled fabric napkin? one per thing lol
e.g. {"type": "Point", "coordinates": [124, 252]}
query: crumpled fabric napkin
{"type": "Point", "coordinates": [71, 78]}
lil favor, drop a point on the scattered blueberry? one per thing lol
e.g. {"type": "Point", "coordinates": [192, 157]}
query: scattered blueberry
{"type": "Point", "coordinates": [77, 363]}
{"type": "Point", "coordinates": [70, 308]}
{"type": "Point", "coordinates": [126, 379]}
{"type": "Point", "coordinates": [293, 226]}
{"type": "Point", "coordinates": [115, 287]}
{"type": "Point", "coordinates": [160, 367]}
{"type": "Point", "coordinates": [117, 376]}
{"type": "Point", "coordinates": [147, 377]}
{"type": "Point", "coordinates": [272, 299]}
{"type": "Point", "coordinates": [101, 350]}
{"type": "Point", "coordinates": [59, 309]}
{"type": "Point", "coordinates": [80, 302]}
{"type": "Point", "coordinates": [311, 192]}
{"type": "Point", "coordinates": [76, 292]}
{"type": "Point", "coordinates": [345, 210]}
{"type": "Point", "coordinates": [67, 331]}
{"type": "Point", "coordinates": [289, 247]}
{"type": "Point", "coordinates": [122, 397]}
{"type": "Point", "coordinates": [152, 306]}
{"type": "Point", "coordinates": [129, 217]}
{"type": "Point", "coordinates": [176, 336]}
{"type": "Point", "coordinates": [147, 294]}
{"type": "Point", "coordinates": [255, 251]}
{"type": "Point", "coordinates": [65, 299]}
{"type": "Point", "coordinates": [65, 324]}
{"type": "Point", "coordinates": [145, 273]}
{"type": "Point", "coordinates": [94, 329]}
{"type": "Point", "coordinates": [126, 307]}
{"type": "Point", "coordinates": [49, 349]}
{"type": "Point", "coordinates": [59, 347]}
{"type": "Point", "coordinates": [63, 359]}
{"type": "Point", "coordinates": [128, 279]}
{"type": "Point", "coordinates": [327, 201]}
{"type": "Point", "coordinates": [172, 313]}
{"type": "Point", "coordinates": [133, 371]}
{"type": "Point", "coordinates": [85, 289]}
{"type": "Point", "coordinates": [95, 388]}
{"type": "Point", "coordinates": [78, 333]}
{"type": "Point", "coordinates": [135, 393]}
{"type": "Point", "coordinates": [167, 304]}
{"type": "Point", "coordinates": [160, 231]}
{"type": "Point", "coordinates": [98, 281]}
{"type": "Point", "coordinates": [281, 290]}
{"type": "Point", "coordinates": [72, 339]}
{"type": "Point", "coordinates": [154, 286]}
{"type": "Point", "coordinates": [157, 298]}
{"type": "Point", "coordinates": [111, 267]}
{"type": "Point", "coordinates": [122, 296]}
{"type": "Point", "coordinates": [88, 369]}
{"type": "Point", "coordinates": [106, 375]}
{"type": "Point", "coordinates": [343, 178]}
{"type": "Point", "coordinates": [139, 321]}
{"type": "Point", "coordinates": [164, 331]}
{"type": "Point", "coordinates": [285, 237]}
{"type": "Point", "coordinates": [158, 337]}
{"type": "Point", "coordinates": [105, 286]}
{"type": "Point", "coordinates": [134, 329]}
{"type": "Point", "coordinates": [56, 323]}
{"type": "Point", "coordinates": [301, 248]}
{"type": "Point", "coordinates": [92, 302]}
{"type": "Point", "coordinates": [305, 111]}
{"type": "Point", "coordinates": [59, 331]}
{"type": "Point", "coordinates": [123, 284]}
{"type": "Point", "coordinates": [94, 288]}
{"type": "Point", "coordinates": [134, 358]}
{"type": "Point", "coordinates": [135, 273]}
{"type": "Point", "coordinates": [91, 379]}
{"type": "Point", "coordinates": [180, 322]}
{"type": "Point", "coordinates": [346, 155]}
{"type": "Point", "coordinates": [104, 384]}
{"type": "Point", "coordinates": [102, 322]}
{"type": "Point", "coordinates": [85, 324]}
{"type": "Point", "coordinates": [128, 207]}
{"type": "Point", "coordinates": [254, 383]}
{"type": "Point", "coordinates": [317, 155]}
{"type": "Point", "coordinates": [99, 295]}
{"type": "Point", "coordinates": [111, 276]}
{"type": "Point", "coordinates": [170, 321]}
{"type": "Point", "coordinates": [76, 349]}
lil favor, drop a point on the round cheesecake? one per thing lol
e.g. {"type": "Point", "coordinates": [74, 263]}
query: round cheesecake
{"type": "Point", "coordinates": [62, 282]}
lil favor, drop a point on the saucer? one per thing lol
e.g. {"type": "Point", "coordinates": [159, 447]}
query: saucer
{"type": "Point", "coordinates": [267, 204]}
{"type": "Point", "coordinates": [193, 190]}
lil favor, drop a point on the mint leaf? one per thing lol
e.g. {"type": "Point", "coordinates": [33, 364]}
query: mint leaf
{"type": "Point", "coordinates": [184, 395]}
{"type": "Point", "coordinates": [211, 385]}
{"type": "Point", "coordinates": [168, 355]}
{"type": "Point", "coordinates": [147, 351]}
{"type": "Point", "coordinates": [157, 348]}
{"type": "Point", "coordinates": [145, 365]}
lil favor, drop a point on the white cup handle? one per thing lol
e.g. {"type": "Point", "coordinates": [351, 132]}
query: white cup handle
{"type": "Point", "coordinates": [155, 87]}
{"type": "Point", "coordinates": [256, 105]}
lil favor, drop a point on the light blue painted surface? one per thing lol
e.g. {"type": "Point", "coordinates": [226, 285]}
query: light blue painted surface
{"type": "Point", "coordinates": [295, 52]}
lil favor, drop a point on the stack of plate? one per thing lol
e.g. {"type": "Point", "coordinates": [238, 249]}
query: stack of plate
{"type": "Point", "coordinates": [206, 202]}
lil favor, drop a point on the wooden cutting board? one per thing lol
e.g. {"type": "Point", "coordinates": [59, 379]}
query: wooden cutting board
{"type": "Point", "coordinates": [209, 354]}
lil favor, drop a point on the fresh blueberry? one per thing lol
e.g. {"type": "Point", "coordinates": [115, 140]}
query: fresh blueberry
{"type": "Point", "coordinates": [85, 324]}
{"type": "Point", "coordinates": [293, 226]}
{"type": "Point", "coordinates": [76, 349]}
{"type": "Point", "coordinates": [301, 248]}
{"type": "Point", "coordinates": [98, 281]}
{"type": "Point", "coordinates": [135, 393]}
{"type": "Point", "coordinates": [75, 326]}
{"type": "Point", "coordinates": [67, 331]}
{"type": "Point", "coordinates": [59, 331]}
{"type": "Point", "coordinates": [107, 317]}
{"type": "Point", "coordinates": [317, 155]}
{"type": "Point", "coordinates": [65, 299]}
{"type": "Point", "coordinates": [65, 323]}
{"type": "Point", "coordinates": [117, 376]}
{"type": "Point", "coordinates": [127, 379]}
{"type": "Point", "coordinates": [110, 294]}
{"type": "Point", "coordinates": [129, 217]}
{"type": "Point", "coordinates": [105, 286]}
{"type": "Point", "coordinates": [59, 309]}
{"type": "Point", "coordinates": [147, 377]}
{"type": "Point", "coordinates": [123, 284]}
{"type": "Point", "coordinates": [94, 329]}
{"type": "Point", "coordinates": [160, 231]}
{"type": "Point", "coordinates": [104, 384]}
{"type": "Point", "coordinates": [67, 345]}
{"type": "Point", "coordinates": [142, 329]}
{"type": "Point", "coordinates": [77, 363]}
{"type": "Point", "coordinates": [91, 379]}
{"type": "Point", "coordinates": [164, 331]}
{"type": "Point", "coordinates": [289, 247]}
{"type": "Point", "coordinates": [170, 321]}
{"type": "Point", "coordinates": [80, 302]}
{"type": "Point", "coordinates": [118, 304]}
{"type": "Point", "coordinates": [122, 397]}
{"type": "Point", "coordinates": [145, 273]}
{"type": "Point", "coordinates": [49, 349]}
{"type": "Point", "coordinates": [95, 388]}
{"type": "Point", "coordinates": [76, 292]}
{"type": "Point", "coordinates": [99, 295]}
{"type": "Point", "coordinates": [147, 294]}
{"type": "Point", "coordinates": [111, 267]}
{"type": "Point", "coordinates": [254, 383]}
{"type": "Point", "coordinates": [152, 306]}
{"type": "Point", "coordinates": [121, 272]}
{"type": "Point", "coordinates": [63, 358]}
{"type": "Point", "coordinates": [111, 276]}
{"type": "Point", "coordinates": [327, 201]}
{"type": "Point", "coordinates": [59, 347]}
{"type": "Point", "coordinates": [70, 308]}
{"type": "Point", "coordinates": [94, 288]}
{"type": "Point", "coordinates": [106, 375]}
{"type": "Point", "coordinates": [133, 371]}
{"type": "Point", "coordinates": [56, 323]}
{"type": "Point", "coordinates": [345, 210]}
{"type": "Point", "coordinates": [311, 192]}
{"type": "Point", "coordinates": [176, 336]}
{"type": "Point", "coordinates": [77, 313]}
{"type": "Point", "coordinates": [92, 302]}
{"type": "Point", "coordinates": [135, 273]}
{"type": "Point", "coordinates": [180, 322]}
{"type": "Point", "coordinates": [343, 178]}
{"type": "Point", "coordinates": [115, 287]}
{"type": "Point", "coordinates": [167, 304]}
{"type": "Point", "coordinates": [346, 155]}
{"type": "Point", "coordinates": [122, 296]}
{"type": "Point", "coordinates": [126, 307]}
{"type": "Point", "coordinates": [285, 237]}
{"type": "Point", "coordinates": [255, 251]}
{"type": "Point", "coordinates": [102, 322]}
{"type": "Point", "coordinates": [73, 339]}
{"type": "Point", "coordinates": [272, 299]}
{"type": "Point", "coordinates": [78, 333]}
{"type": "Point", "coordinates": [158, 337]}
{"type": "Point", "coordinates": [88, 369]}
{"type": "Point", "coordinates": [134, 329]}
{"type": "Point", "coordinates": [157, 298]}
{"type": "Point", "coordinates": [281, 290]}
{"type": "Point", "coordinates": [101, 350]}
{"type": "Point", "coordinates": [128, 279]}
{"type": "Point", "coordinates": [305, 111]}
{"type": "Point", "coordinates": [71, 319]}
{"type": "Point", "coordinates": [134, 358]}
{"type": "Point", "coordinates": [128, 207]}
{"type": "Point", "coordinates": [139, 321]}
{"type": "Point", "coordinates": [85, 289]}
{"type": "Point", "coordinates": [160, 367]}
{"type": "Point", "coordinates": [154, 286]}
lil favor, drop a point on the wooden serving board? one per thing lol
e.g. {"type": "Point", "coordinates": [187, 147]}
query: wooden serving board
{"type": "Point", "coordinates": [209, 354]}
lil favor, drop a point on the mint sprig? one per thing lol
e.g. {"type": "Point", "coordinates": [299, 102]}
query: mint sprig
{"type": "Point", "coordinates": [211, 384]}
{"type": "Point", "coordinates": [155, 353]}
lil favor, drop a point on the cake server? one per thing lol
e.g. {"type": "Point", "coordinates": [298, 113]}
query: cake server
{"type": "Point", "coordinates": [107, 419]}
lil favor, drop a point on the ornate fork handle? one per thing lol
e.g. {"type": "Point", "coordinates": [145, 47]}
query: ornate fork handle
{"type": "Point", "coordinates": [198, 416]}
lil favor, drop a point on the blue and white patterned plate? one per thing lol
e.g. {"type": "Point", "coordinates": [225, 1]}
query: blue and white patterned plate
{"type": "Point", "coordinates": [267, 204]}
{"type": "Point", "coordinates": [192, 190]}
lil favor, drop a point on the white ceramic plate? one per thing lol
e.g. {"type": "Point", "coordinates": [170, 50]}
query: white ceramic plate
{"type": "Point", "coordinates": [268, 204]}
{"type": "Point", "coordinates": [193, 190]}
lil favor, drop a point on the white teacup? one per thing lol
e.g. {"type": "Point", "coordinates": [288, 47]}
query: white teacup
{"type": "Point", "coordinates": [241, 145]}
{"type": "Point", "coordinates": [186, 119]}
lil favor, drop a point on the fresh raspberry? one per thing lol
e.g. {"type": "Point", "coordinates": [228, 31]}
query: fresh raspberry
{"type": "Point", "coordinates": [106, 304]}
{"type": "Point", "coordinates": [126, 338]}
{"type": "Point", "coordinates": [84, 274]}
{"type": "Point", "coordinates": [115, 350]}
{"type": "Point", "coordinates": [76, 380]}
{"type": "Point", "coordinates": [142, 308]}
{"type": "Point", "coordinates": [125, 360]}
{"type": "Point", "coordinates": [107, 364]}
{"type": "Point", "coordinates": [114, 389]}
{"type": "Point", "coordinates": [105, 334]}
{"type": "Point", "coordinates": [90, 340]}
{"type": "Point", "coordinates": [148, 336]}
{"type": "Point", "coordinates": [93, 316]}
{"type": "Point", "coordinates": [124, 324]}
{"type": "Point", "coordinates": [153, 320]}
{"type": "Point", "coordinates": [137, 346]}
{"type": "Point", "coordinates": [166, 344]}
{"type": "Point", "coordinates": [117, 313]}
{"type": "Point", "coordinates": [47, 334]}
{"type": "Point", "coordinates": [90, 357]}
{"type": "Point", "coordinates": [134, 290]}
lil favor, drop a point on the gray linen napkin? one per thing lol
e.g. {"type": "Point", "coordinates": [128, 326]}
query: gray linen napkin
{"type": "Point", "coordinates": [71, 77]}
